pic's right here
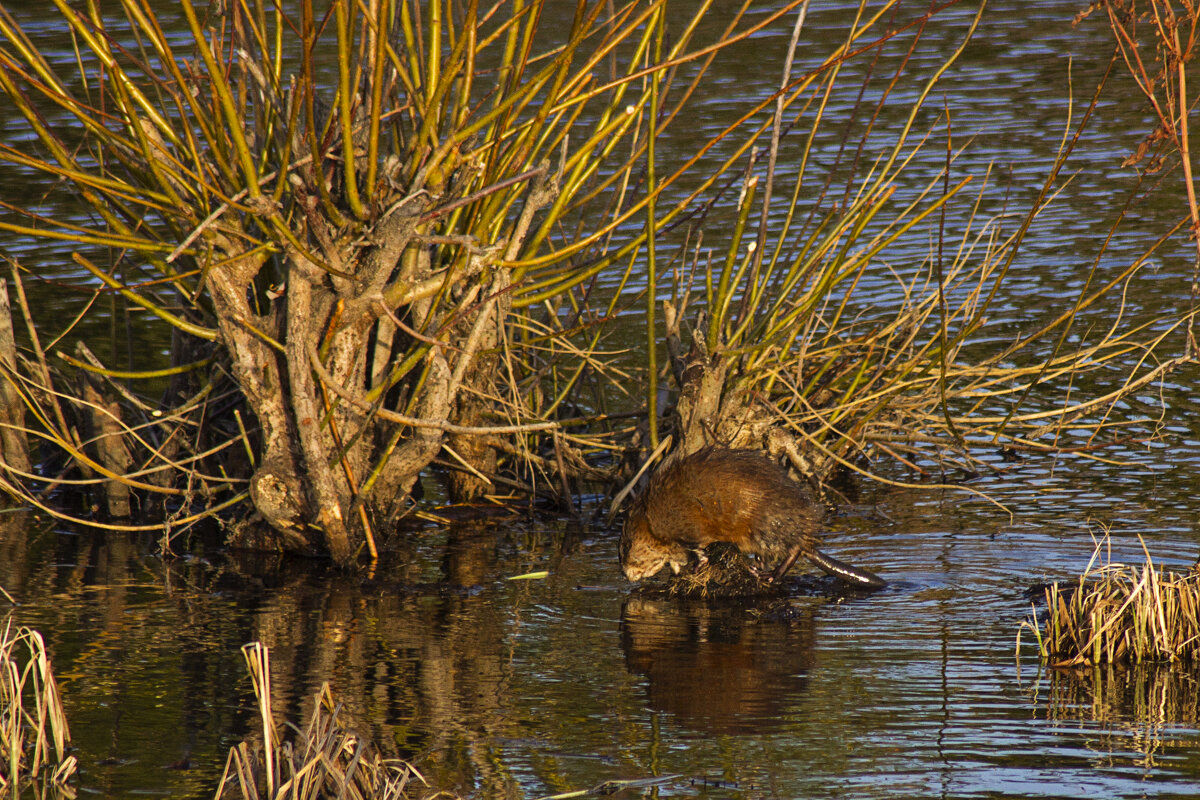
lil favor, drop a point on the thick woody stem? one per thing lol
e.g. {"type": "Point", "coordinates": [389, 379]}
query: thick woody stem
{"type": "Point", "coordinates": [328, 488]}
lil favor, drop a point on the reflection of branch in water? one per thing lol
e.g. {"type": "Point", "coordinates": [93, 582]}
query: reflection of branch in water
{"type": "Point", "coordinates": [718, 668]}
{"type": "Point", "coordinates": [1136, 707]}
{"type": "Point", "coordinates": [417, 654]}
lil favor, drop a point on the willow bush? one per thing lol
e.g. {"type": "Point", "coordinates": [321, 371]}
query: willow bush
{"type": "Point", "coordinates": [374, 233]}
{"type": "Point", "coordinates": [771, 346]}
{"type": "Point", "coordinates": [353, 219]}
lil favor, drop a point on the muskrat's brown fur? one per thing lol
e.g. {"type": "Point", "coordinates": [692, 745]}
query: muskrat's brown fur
{"type": "Point", "coordinates": [723, 495]}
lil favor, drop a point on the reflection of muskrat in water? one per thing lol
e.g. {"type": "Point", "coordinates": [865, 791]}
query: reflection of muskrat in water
{"type": "Point", "coordinates": [722, 495]}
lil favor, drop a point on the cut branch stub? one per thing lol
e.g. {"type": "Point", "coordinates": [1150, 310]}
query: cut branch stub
{"type": "Point", "coordinates": [701, 380]}
{"type": "Point", "coordinates": [111, 449]}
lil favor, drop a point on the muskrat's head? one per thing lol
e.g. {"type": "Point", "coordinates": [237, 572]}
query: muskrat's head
{"type": "Point", "coordinates": [643, 554]}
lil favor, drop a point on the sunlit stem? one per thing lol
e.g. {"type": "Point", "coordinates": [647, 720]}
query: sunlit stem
{"type": "Point", "coordinates": [346, 94]}
{"type": "Point", "coordinates": [651, 250]}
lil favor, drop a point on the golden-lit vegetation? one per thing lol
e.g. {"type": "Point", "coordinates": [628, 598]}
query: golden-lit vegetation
{"type": "Point", "coordinates": [1120, 613]}
{"type": "Point", "coordinates": [371, 236]}
{"type": "Point", "coordinates": [34, 735]}
{"type": "Point", "coordinates": [325, 759]}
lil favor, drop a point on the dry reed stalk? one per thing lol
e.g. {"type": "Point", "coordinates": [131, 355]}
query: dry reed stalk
{"type": "Point", "coordinates": [325, 759]}
{"type": "Point", "coordinates": [34, 735]}
{"type": "Point", "coordinates": [1120, 613]}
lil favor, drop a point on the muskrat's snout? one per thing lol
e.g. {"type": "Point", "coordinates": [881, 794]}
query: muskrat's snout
{"type": "Point", "coordinates": [642, 555]}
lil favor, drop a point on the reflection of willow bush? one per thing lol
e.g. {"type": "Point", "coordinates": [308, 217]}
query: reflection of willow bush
{"type": "Point", "coordinates": [374, 233]}
{"type": "Point", "coordinates": [325, 758]}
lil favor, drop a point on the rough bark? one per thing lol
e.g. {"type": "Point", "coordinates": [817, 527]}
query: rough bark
{"type": "Point", "coordinates": [420, 445]}
{"type": "Point", "coordinates": [712, 407]}
{"type": "Point", "coordinates": [434, 399]}
{"type": "Point", "coordinates": [701, 380]}
{"type": "Point", "coordinates": [279, 498]}
{"type": "Point", "coordinates": [476, 450]}
{"type": "Point", "coordinates": [275, 488]}
{"type": "Point", "coordinates": [14, 447]}
{"type": "Point", "coordinates": [327, 485]}
{"type": "Point", "coordinates": [111, 450]}
{"type": "Point", "coordinates": [477, 372]}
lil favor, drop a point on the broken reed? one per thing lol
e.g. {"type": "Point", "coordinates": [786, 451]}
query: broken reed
{"type": "Point", "coordinates": [325, 759]}
{"type": "Point", "coordinates": [34, 736]}
{"type": "Point", "coordinates": [1121, 613]}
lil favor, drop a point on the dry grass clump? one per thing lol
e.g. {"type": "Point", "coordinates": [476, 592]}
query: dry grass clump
{"type": "Point", "coordinates": [34, 736]}
{"type": "Point", "coordinates": [324, 760]}
{"type": "Point", "coordinates": [1121, 613]}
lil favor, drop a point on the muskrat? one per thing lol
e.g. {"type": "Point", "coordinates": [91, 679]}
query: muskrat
{"type": "Point", "coordinates": [721, 495]}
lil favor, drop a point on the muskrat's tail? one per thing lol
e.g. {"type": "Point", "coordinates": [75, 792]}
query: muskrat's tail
{"type": "Point", "coordinates": [839, 569]}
